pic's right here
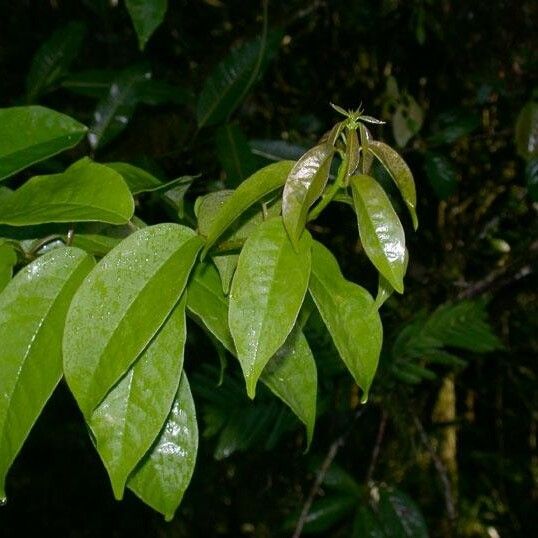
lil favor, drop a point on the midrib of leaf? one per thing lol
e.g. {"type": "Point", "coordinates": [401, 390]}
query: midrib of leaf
{"type": "Point", "coordinates": [373, 232]}
{"type": "Point", "coordinates": [66, 204]}
{"type": "Point", "coordinates": [14, 154]}
{"type": "Point", "coordinates": [32, 341]}
{"type": "Point", "coordinates": [128, 310]}
{"type": "Point", "coordinates": [265, 310]}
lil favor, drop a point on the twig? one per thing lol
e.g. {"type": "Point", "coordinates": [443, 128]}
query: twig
{"type": "Point", "coordinates": [440, 468]}
{"type": "Point", "coordinates": [325, 466]}
{"type": "Point", "coordinates": [377, 446]}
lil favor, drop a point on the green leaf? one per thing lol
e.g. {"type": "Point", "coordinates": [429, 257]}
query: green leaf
{"type": "Point", "coordinates": [325, 513]}
{"type": "Point", "coordinates": [441, 174]}
{"type": "Point", "coordinates": [207, 209]}
{"type": "Point", "coordinates": [234, 154]}
{"type": "Point", "coordinates": [29, 134]}
{"type": "Point", "coordinates": [385, 288]}
{"type": "Point", "coordinates": [366, 525]}
{"type": "Point", "coordinates": [399, 515]}
{"type": "Point", "coordinates": [93, 83]}
{"type": "Point", "coordinates": [350, 316]}
{"type": "Point", "coordinates": [207, 302]}
{"type": "Point", "coordinates": [121, 306]}
{"type": "Point", "coordinates": [291, 373]}
{"type": "Point", "coordinates": [96, 83]}
{"type": "Point", "coordinates": [86, 191]}
{"type": "Point", "coordinates": [147, 16]}
{"type": "Point", "coordinates": [53, 59]}
{"type": "Point", "coordinates": [131, 416]}
{"type": "Point", "coordinates": [8, 259]}
{"type": "Point", "coordinates": [400, 173]}
{"type": "Point", "coordinates": [366, 156]}
{"type": "Point", "coordinates": [164, 474]}
{"type": "Point", "coordinates": [114, 111]}
{"type": "Point", "coordinates": [252, 190]}
{"type": "Point", "coordinates": [527, 131]}
{"type": "Point", "coordinates": [452, 125]}
{"type": "Point", "coordinates": [304, 185]}
{"type": "Point", "coordinates": [276, 150]}
{"type": "Point", "coordinates": [292, 376]}
{"type": "Point", "coordinates": [136, 178]}
{"type": "Point", "coordinates": [33, 309]}
{"type": "Point", "coordinates": [380, 230]}
{"type": "Point", "coordinates": [226, 87]}
{"type": "Point", "coordinates": [267, 292]}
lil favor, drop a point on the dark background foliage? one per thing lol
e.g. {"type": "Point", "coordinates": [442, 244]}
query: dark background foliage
{"type": "Point", "coordinates": [463, 436]}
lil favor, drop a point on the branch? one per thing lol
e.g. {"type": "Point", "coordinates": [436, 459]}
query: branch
{"type": "Point", "coordinates": [320, 477]}
{"type": "Point", "coordinates": [377, 446]}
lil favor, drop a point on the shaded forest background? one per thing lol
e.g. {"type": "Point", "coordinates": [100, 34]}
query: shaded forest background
{"type": "Point", "coordinates": [452, 421]}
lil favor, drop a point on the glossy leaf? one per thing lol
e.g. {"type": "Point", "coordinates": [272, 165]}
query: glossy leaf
{"type": "Point", "coordinates": [349, 314]}
{"type": "Point", "coordinates": [131, 416]}
{"type": "Point", "coordinates": [252, 190]}
{"type": "Point", "coordinates": [227, 86]}
{"type": "Point", "coordinates": [366, 156]}
{"type": "Point", "coordinates": [234, 154]}
{"type": "Point", "coordinates": [29, 134]}
{"type": "Point", "coordinates": [164, 474]}
{"type": "Point", "coordinates": [208, 304]}
{"type": "Point", "coordinates": [304, 185]}
{"type": "Point", "coordinates": [352, 152]}
{"type": "Point", "coordinates": [147, 16]}
{"type": "Point", "coordinates": [527, 131]}
{"type": "Point", "coordinates": [8, 259]}
{"type": "Point", "coordinates": [267, 292]}
{"type": "Point", "coordinates": [380, 230]}
{"type": "Point", "coordinates": [86, 191]}
{"type": "Point", "coordinates": [400, 173]}
{"type": "Point", "coordinates": [121, 306]}
{"type": "Point", "coordinates": [136, 178]}
{"type": "Point", "coordinates": [114, 111]}
{"type": "Point", "coordinates": [441, 174]}
{"type": "Point", "coordinates": [385, 288]}
{"type": "Point", "coordinates": [292, 375]}
{"type": "Point", "coordinates": [53, 59]}
{"type": "Point", "coordinates": [207, 210]}
{"type": "Point", "coordinates": [33, 309]}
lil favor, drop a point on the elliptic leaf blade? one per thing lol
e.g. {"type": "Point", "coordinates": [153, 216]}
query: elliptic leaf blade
{"type": "Point", "coordinates": [121, 306]}
{"type": "Point", "coordinates": [252, 190]}
{"type": "Point", "coordinates": [29, 134]}
{"type": "Point", "coordinates": [85, 192]}
{"type": "Point", "coordinates": [131, 416]}
{"type": "Point", "coordinates": [165, 472]}
{"type": "Point", "coordinates": [400, 173]}
{"type": "Point", "coordinates": [304, 185]}
{"type": "Point", "coordinates": [380, 229]}
{"type": "Point", "coordinates": [267, 292]}
{"type": "Point", "coordinates": [147, 16]}
{"type": "Point", "coordinates": [33, 308]}
{"type": "Point", "coordinates": [349, 314]}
